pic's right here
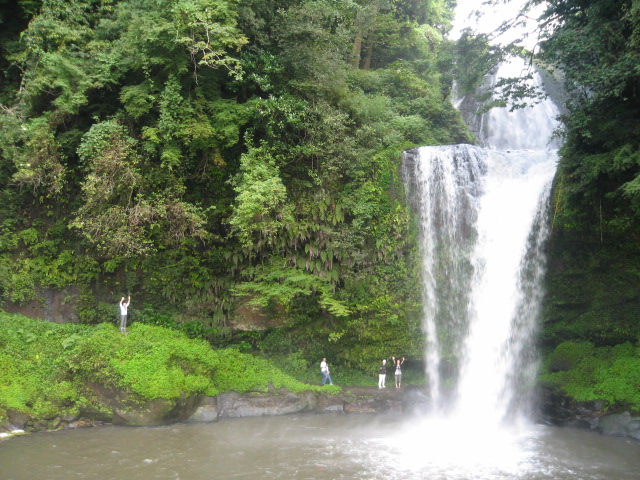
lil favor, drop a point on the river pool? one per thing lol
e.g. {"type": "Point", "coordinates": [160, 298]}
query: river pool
{"type": "Point", "coordinates": [318, 447]}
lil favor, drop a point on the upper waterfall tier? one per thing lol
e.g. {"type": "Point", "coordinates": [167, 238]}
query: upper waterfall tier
{"type": "Point", "coordinates": [503, 128]}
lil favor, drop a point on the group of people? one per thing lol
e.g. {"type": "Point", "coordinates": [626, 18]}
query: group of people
{"type": "Point", "coordinates": [382, 372]}
{"type": "Point", "coordinates": [324, 366]}
{"type": "Point", "coordinates": [382, 375]}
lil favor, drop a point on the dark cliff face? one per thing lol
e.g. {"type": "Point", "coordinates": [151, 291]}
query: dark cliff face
{"type": "Point", "coordinates": [590, 327]}
{"type": "Point", "coordinates": [53, 305]}
{"type": "Point", "coordinates": [593, 289]}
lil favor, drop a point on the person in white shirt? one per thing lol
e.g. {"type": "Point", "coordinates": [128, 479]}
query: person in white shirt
{"type": "Point", "coordinates": [326, 374]}
{"type": "Point", "coordinates": [382, 376]}
{"type": "Point", "coordinates": [123, 314]}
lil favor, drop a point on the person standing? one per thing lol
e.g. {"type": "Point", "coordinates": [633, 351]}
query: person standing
{"type": "Point", "coordinates": [382, 375]}
{"type": "Point", "coordinates": [326, 374]}
{"type": "Point", "coordinates": [398, 365]}
{"type": "Point", "coordinates": [123, 313]}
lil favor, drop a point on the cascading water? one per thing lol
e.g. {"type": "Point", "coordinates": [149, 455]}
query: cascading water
{"type": "Point", "coordinates": [482, 214]}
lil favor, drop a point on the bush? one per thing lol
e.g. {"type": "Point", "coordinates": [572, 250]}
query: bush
{"type": "Point", "coordinates": [44, 366]}
{"type": "Point", "coordinates": [586, 373]}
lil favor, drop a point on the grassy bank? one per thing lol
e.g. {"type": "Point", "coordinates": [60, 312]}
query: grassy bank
{"type": "Point", "coordinates": [586, 373]}
{"type": "Point", "coordinates": [45, 367]}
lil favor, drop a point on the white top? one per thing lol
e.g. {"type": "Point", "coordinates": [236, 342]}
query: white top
{"type": "Point", "coordinates": [323, 366]}
{"type": "Point", "coordinates": [123, 307]}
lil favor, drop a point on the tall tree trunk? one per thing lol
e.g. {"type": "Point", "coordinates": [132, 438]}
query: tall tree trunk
{"type": "Point", "coordinates": [367, 60]}
{"type": "Point", "coordinates": [357, 49]}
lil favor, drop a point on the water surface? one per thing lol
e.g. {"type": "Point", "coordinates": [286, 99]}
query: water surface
{"type": "Point", "coordinates": [319, 447]}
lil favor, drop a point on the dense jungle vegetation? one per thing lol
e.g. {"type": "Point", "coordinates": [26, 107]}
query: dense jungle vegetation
{"type": "Point", "coordinates": [234, 166]}
{"type": "Point", "coordinates": [228, 164]}
{"type": "Point", "coordinates": [592, 313]}
{"type": "Point", "coordinates": [48, 369]}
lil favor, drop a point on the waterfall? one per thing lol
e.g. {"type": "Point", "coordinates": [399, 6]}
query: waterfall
{"type": "Point", "coordinates": [482, 213]}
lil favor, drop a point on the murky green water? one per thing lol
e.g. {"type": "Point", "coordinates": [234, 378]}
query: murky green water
{"type": "Point", "coordinates": [317, 447]}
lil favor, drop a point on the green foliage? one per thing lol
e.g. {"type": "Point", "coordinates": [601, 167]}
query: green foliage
{"type": "Point", "coordinates": [45, 367]}
{"type": "Point", "coordinates": [281, 284]}
{"type": "Point", "coordinates": [261, 212]}
{"type": "Point", "coordinates": [38, 164]}
{"type": "Point", "coordinates": [207, 28]}
{"type": "Point", "coordinates": [588, 373]}
{"type": "Point", "coordinates": [592, 311]}
{"type": "Point", "coordinates": [245, 373]}
{"type": "Point", "coordinates": [208, 154]}
{"type": "Point", "coordinates": [475, 57]}
{"type": "Point", "coordinates": [33, 379]}
{"type": "Point", "coordinates": [592, 290]}
{"type": "Point", "coordinates": [594, 46]}
{"type": "Point", "coordinates": [151, 362]}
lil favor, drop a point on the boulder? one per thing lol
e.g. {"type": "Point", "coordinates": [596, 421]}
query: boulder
{"type": "Point", "coordinates": [258, 404]}
{"type": "Point", "coordinates": [556, 408]}
{"type": "Point", "coordinates": [207, 411]}
{"type": "Point", "coordinates": [129, 411]}
{"type": "Point", "coordinates": [615, 424]}
{"type": "Point", "coordinates": [366, 400]}
{"type": "Point", "coordinates": [17, 419]}
{"type": "Point", "coordinates": [156, 412]}
{"type": "Point", "coordinates": [633, 428]}
{"type": "Point", "coordinates": [330, 404]}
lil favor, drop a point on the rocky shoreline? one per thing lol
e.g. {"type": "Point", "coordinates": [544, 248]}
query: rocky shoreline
{"type": "Point", "coordinates": [555, 410]}
{"type": "Point", "coordinates": [560, 410]}
{"type": "Point", "coordinates": [211, 409]}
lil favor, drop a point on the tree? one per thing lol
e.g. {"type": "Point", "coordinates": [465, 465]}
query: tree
{"type": "Point", "coordinates": [595, 46]}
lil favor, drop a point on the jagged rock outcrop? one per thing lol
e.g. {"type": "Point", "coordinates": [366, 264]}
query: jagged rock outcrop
{"type": "Point", "coordinates": [560, 410]}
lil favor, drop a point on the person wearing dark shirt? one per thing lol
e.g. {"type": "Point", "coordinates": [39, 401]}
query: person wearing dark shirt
{"type": "Point", "coordinates": [382, 375]}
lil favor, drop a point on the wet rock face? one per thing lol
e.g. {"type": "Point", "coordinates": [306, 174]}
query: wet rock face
{"type": "Point", "coordinates": [558, 409]}
{"type": "Point", "coordinates": [282, 402]}
{"type": "Point", "coordinates": [206, 412]}
{"type": "Point", "coordinates": [52, 305]}
{"type": "Point", "coordinates": [620, 425]}
{"type": "Point", "coordinates": [233, 405]}
{"type": "Point", "coordinates": [16, 420]}
{"type": "Point", "coordinates": [157, 412]}
{"type": "Point", "coordinates": [128, 411]}
{"type": "Point", "coordinates": [114, 406]}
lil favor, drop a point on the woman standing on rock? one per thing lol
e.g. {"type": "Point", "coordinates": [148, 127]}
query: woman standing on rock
{"type": "Point", "coordinates": [398, 365]}
{"type": "Point", "coordinates": [123, 314]}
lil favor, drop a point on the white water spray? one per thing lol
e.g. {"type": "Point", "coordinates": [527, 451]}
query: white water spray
{"type": "Point", "coordinates": [482, 215]}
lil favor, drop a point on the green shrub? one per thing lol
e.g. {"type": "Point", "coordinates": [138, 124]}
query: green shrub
{"type": "Point", "coordinates": [33, 378]}
{"type": "Point", "coordinates": [44, 366]}
{"type": "Point", "coordinates": [586, 373]}
{"type": "Point", "coordinates": [242, 372]}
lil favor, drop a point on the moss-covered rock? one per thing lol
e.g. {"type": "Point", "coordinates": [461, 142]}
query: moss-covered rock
{"type": "Point", "coordinates": [151, 376]}
{"type": "Point", "coordinates": [592, 289]}
{"type": "Point", "coordinates": [582, 372]}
